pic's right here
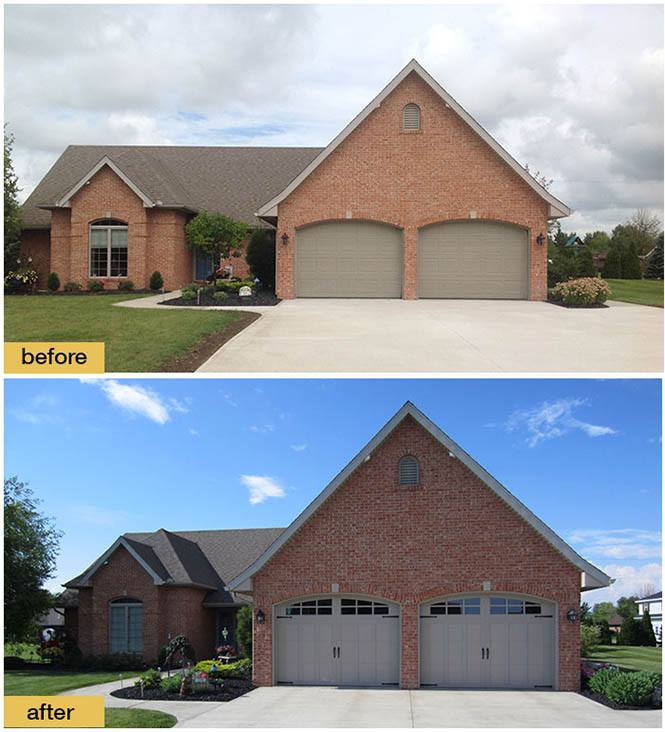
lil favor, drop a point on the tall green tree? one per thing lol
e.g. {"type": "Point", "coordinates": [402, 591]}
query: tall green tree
{"type": "Point", "coordinates": [654, 269]}
{"type": "Point", "coordinates": [612, 267]}
{"type": "Point", "coordinates": [630, 632]}
{"type": "Point", "coordinates": [215, 236]}
{"type": "Point", "coordinates": [627, 607]}
{"type": "Point", "coordinates": [597, 241]}
{"type": "Point", "coordinates": [585, 265]}
{"type": "Point", "coordinates": [244, 631]}
{"type": "Point", "coordinates": [647, 636]}
{"type": "Point", "coordinates": [585, 613]}
{"type": "Point", "coordinates": [603, 611]}
{"type": "Point", "coordinates": [630, 263]}
{"type": "Point", "coordinates": [31, 547]}
{"type": "Point", "coordinates": [12, 211]}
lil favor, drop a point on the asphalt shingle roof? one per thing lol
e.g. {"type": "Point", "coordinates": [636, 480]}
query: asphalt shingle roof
{"type": "Point", "coordinates": [231, 180]}
{"type": "Point", "coordinates": [207, 559]}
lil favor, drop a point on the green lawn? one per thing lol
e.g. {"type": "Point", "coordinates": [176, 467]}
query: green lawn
{"type": "Point", "coordinates": [636, 657]}
{"type": "Point", "coordinates": [136, 340]}
{"type": "Point", "coordinates": [640, 292]}
{"type": "Point", "coordinates": [37, 683]}
{"type": "Point", "coordinates": [137, 718]}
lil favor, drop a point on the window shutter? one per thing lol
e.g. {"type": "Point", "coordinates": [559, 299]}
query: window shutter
{"type": "Point", "coordinates": [411, 117]}
{"type": "Point", "coordinates": [408, 471]}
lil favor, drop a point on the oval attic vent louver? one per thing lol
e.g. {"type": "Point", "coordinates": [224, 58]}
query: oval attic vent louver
{"type": "Point", "coordinates": [411, 117]}
{"type": "Point", "coordinates": [408, 471]}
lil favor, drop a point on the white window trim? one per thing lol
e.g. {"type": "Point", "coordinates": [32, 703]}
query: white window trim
{"type": "Point", "coordinates": [108, 228]}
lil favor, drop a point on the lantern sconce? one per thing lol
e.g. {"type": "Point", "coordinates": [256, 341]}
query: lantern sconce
{"type": "Point", "coordinates": [285, 239]}
{"type": "Point", "coordinates": [260, 617]}
{"type": "Point", "coordinates": [572, 615]}
{"type": "Point", "coordinates": [540, 239]}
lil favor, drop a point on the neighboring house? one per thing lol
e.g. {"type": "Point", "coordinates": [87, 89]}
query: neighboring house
{"type": "Point", "coordinates": [413, 567]}
{"type": "Point", "coordinates": [654, 605]}
{"type": "Point", "coordinates": [413, 198]}
{"type": "Point", "coordinates": [615, 625]}
{"type": "Point", "coordinates": [574, 242]}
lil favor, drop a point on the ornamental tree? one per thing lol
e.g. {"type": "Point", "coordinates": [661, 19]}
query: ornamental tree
{"type": "Point", "coordinates": [215, 235]}
{"type": "Point", "coordinates": [12, 228]}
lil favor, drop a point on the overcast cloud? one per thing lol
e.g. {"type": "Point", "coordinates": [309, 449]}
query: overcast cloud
{"type": "Point", "coordinates": [574, 91]}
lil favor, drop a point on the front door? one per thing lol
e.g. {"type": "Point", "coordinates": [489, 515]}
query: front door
{"type": "Point", "coordinates": [202, 266]}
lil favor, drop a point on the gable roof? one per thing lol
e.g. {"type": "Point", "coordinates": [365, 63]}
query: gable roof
{"type": "Point", "coordinates": [557, 209]}
{"type": "Point", "coordinates": [205, 559]}
{"type": "Point", "coordinates": [591, 576]}
{"type": "Point", "coordinates": [229, 180]}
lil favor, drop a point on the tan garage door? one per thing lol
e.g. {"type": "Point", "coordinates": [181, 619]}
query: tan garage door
{"type": "Point", "coordinates": [473, 259]}
{"type": "Point", "coordinates": [349, 259]}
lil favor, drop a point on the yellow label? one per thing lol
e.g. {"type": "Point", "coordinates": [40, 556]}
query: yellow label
{"type": "Point", "coordinates": [38, 357]}
{"type": "Point", "coordinates": [54, 711]}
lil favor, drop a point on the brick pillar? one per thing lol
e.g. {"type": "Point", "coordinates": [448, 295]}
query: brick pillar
{"type": "Point", "coordinates": [262, 646]}
{"type": "Point", "coordinates": [569, 647]}
{"type": "Point", "coordinates": [409, 274]}
{"type": "Point", "coordinates": [285, 263]}
{"type": "Point", "coordinates": [410, 672]}
{"type": "Point", "coordinates": [538, 289]}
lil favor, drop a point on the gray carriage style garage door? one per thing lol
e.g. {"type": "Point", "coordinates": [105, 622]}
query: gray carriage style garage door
{"type": "Point", "coordinates": [337, 641]}
{"type": "Point", "coordinates": [473, 259]}
{"type": "Point", "coordinates": [349, 259]}
{"type": "Point", "coordinates": [501, 642]}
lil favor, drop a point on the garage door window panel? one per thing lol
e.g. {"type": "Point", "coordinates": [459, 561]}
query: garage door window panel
{"type": "Point", "coordinates": [311, 607]}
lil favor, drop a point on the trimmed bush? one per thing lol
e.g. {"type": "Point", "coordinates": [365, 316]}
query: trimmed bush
{"type": "Point", "coordinates": [261, 256]}
{"type": "Point", "coordinates": [220, 296]}
{"type": "Point", "coordinates": [72, 287]}
{"type": "Point", "coordinates": [53, 282]}
{"type": "Point", "coordinates": [95, 286]}
{"type": "Point", "coordinates": [156, 281]}
{"type": "Point", "coordinates": [171, 684]}
{"type": "Point", "coordinates": [583, 292]}
{"type": "Point", "coordinates": [125, 285]}
{"type": "Point", "coordinates": [239, 670]}
{"type": "Point", "coordinates": [589, 638]}
{"type": "Point", "coordinates": [113, 662]}
{"type": "Point", "coordinates": [188, 295]}
{"type": "Point", "coordinates": [151, 679]}
{"type": "Point", "coordinates": [601, 680]}
{"type": "Point", "coordinates": [631, 689]}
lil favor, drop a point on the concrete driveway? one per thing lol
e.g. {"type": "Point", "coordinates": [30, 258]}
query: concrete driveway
{"type": "Point", "coordinates": [284, 706]}
{"type": "Point", "coordinates": [444, 336]}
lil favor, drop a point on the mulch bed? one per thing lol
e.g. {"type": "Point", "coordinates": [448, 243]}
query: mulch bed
{"type": "Point", "coordinates": [609, 703]}
{"type": "Point", "coordinates": [262, 297]}
{"type": "Point", "coordinates": [232, 689]}
{"type": "Point", "coordinates": [577, 307]}
{"type": "Point", "coordinates": [191, 360]}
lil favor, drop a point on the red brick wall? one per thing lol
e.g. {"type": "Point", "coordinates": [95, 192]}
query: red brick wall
{"type": "Point", "coordinates": [447, 536]}
{"type": "Point", "coordinates": [36, 243]}
{"type": "Point", "coordinates": [166, 610]}
{"type": "Point", "coordinates": [168, 252]}
{"type": "Point", "coordinates": [409, 180]}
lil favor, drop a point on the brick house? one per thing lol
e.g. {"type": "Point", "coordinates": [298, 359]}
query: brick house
{"type": "Point", "coordinates": [413, 567]}
{"type": "Point", "coordinates": [412, 199]}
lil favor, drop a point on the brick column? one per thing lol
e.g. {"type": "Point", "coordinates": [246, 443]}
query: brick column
{"type": "Point", "coordinates": [262, 646]}
{"type": "Point", "coordinates": [410, 267]}
{"type": "Point", "coordinates": [538, 273]}
{"type": "Point", "coordinates": [285, 263]}
{"type": "Point", "coordinates": [569, 646]}
{"type": "Point", "coordinates": [410, 672]}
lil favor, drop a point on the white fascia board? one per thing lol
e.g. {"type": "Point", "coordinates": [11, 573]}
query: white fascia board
{"type": "Point", "coordinates": [120, 542]}
{"type": "Point", "coordinates": [593, 574]}
{"type": "Point", "coordinates": [65, 201]}
{"type": "Point", "coordinates": [557, 209]}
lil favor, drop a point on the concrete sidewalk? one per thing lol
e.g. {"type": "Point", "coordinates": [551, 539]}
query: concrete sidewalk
{"type": "Point", "coordinates": [286, 706]}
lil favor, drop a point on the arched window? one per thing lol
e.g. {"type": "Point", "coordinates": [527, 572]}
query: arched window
{"type": "Point", "coordinates": [126, 626]}
{"type": "Point", "coordinates": [411, 117]}
{"type": "Point", "coordinates": [108, 248]}
{"type": "Point", "coordinates": [409, 471]}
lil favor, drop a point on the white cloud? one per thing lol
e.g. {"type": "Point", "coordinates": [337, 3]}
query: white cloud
{"type": "Point", "coordinates": [629, 580]}
{"type": "Point", "coordinates": [607, 544]}
{"type": "Point", "coordinates": [262, 429]}
{"type": "Point", "coordinates": [134, 399]}
{"type": "Point", "coordinates": [262, 487]}
{"type": "Point", "coordinates": [550, 420]}
{"type": "Point", "coordinates": [39, 409]}
{"type": "Point", "coordinates": [193, 432]}
{"type": "Point", "coordinates": [177, 406]}
{"type": "Point", "coordinates": [299, 448]}
{"type": "Point", "coordinates": [97, 515]}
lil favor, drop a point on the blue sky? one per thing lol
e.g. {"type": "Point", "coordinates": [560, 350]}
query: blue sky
{"type": "Point", "coordinates": [109, 456]}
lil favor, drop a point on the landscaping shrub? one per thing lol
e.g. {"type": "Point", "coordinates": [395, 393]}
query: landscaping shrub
{"type": "Point", "coordinates": [589, 638]}
{"type": "Point", "coordinates": [631, 689]}
{"type": "Point", "coordinates": [582, 292]}
{"type": "Point", "coordinates": [233, 286]}
{"type": "Point", "coordinates": [125, 285]}
{"type": "Point", "coordinates": [220, 296]}
{"type": "Point", "coordinates": [601, 680]}
{"type": "Point", "coordinates": [95, 286]}
{"type": "Point", "coordinates": [72, 287]}
{"type": "Point", "coordinates": [171, 684]}
{"type": "Point", "coordinates": [188, 295]}
{"type": "Point", "coordinates": [239, 670]}
{"type": "Point", "coordinates": [244, 631]}
{"type": "Point", "coordinates": [156, 281]}
{"type": "Point", "coordinates": [113, 662]}
{"type": "Point", "coordinates": [22, 279]}
{"type": "Point", "coordinates": [53, 282]}
{"type": "Point", "coordinates": [261, 256]}
{"type": "Point", "coordinates": [151, 679]}
{"type": "Point", "coordinates": [647, 636]}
